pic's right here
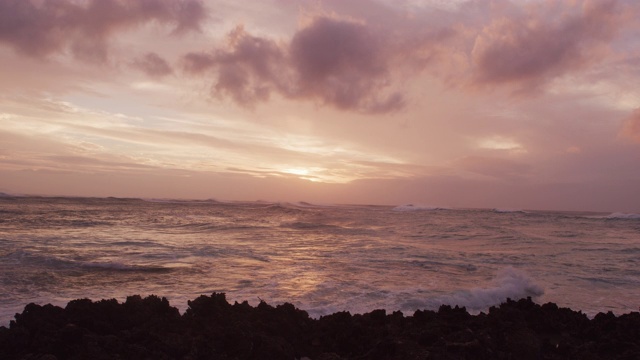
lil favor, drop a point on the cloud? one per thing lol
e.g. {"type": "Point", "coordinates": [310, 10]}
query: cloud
{"type": "Point", "coordinates": [363, 65]}
{"type": "Point", "coordinates": [153, 65]}
{"type": "Point", "coordinates": [336, 62]}
{"type": "Point", "coordinates": [631, 126]}
{"type": "Point", "coordinates": [493, 167]}
{"type": "Point", "coordinates": [343, 63]}
{"type": "Point", "coordinates": [41, 28]}
{"type": "Point", "coordinates": [249, 69]}
{"type": "Point", "coordinates": [547, 41]}
{"type": "Point", "coordinates": [197, 63]}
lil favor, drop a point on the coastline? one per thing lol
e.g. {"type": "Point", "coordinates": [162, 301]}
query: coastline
{"type": "Point", "coordinates": [212, 328]}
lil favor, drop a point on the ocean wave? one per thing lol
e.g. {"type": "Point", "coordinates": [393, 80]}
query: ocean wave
{"type": "Point", "coordinates": [27, 258]}
{"type": "Point", "coordinates": [285, 208]}
{"type": "Point", "coordinates": [226, 252]}
{"type": "Point", "coordinates": [140, 243]}
{"type": "Point", "coordinates": [623, 216]}
{"type": "Point", "coordinates": [412, 207]}
{"type": "Point", "coordinates": [204, 227]}
{"type": "Point", "coordinates": [509, 283]}
{"type": "Point", "coordinates": [122, 267]}
{"type": "Point", "coordinates": [304, 204]}
{"type": "Point", "coordinates": [177, 201]}
{"type": "Point", "coordinates": [508, 211]}
{"type": "Point", "coordinates": [300, 225]}
{"type": "Point", "coordinates": [86, 223]}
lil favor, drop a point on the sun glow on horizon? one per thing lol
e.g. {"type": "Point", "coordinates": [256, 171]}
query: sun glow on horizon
{"type": "Point", "coordinates": [310, 174]}
{"type": "Point", "coordinates": [298, 171]}
{"type": "Point", "coordinates": [227, 100]}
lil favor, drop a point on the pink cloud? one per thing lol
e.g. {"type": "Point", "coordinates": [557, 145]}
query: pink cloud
{"type": "Point", "coordinates": [41, 28]}
{"type": "Point", "coordinates": [197, 63]}
{"type": "Point", "coordinates": [345, 64]}
{"type": "Point", "coordinates": [631, 126]}
{"type": "Point", "coordinates": [359, 65]}
{"type": "Point", "coordinates": [249, 69]}
{"type": "Point", "coordinates": [336, 62]}
{"type": "Point", "coordinates": [530, 49]}
{"type": "Point", "coordinates": [153, 65]}
{"type": "Point", "coordinates": [493, 167]}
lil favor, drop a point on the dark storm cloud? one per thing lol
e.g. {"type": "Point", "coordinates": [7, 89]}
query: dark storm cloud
{"type": "Point", "coordinates": [41, 28]}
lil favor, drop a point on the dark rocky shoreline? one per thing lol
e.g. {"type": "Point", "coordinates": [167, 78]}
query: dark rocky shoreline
{"type": "Point", "coordinates": [211, 328]}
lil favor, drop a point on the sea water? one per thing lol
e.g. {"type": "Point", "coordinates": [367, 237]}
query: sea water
{"type": "Point", "coordinates": [321, 258]}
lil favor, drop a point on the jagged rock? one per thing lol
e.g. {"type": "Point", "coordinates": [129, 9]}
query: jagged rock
{"type": "Point", "coordinates": [212, 328]}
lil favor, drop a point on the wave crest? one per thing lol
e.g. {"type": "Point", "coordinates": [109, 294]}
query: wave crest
{"type": "Point", "coordinates": [627, 216]}
{"type": "Point", "coordinates": [412, 207]}
{"type": "Point", "coordinates": [122, 267]}
{"type": "Point", "coordinates": [508, 211]}
{"type": "Point", "coordinates": [509, 283]}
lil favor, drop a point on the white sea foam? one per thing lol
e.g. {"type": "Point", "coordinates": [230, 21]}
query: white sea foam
{"type": "Point", "coordinates": [619, 215]}
{"type": "Point", "coordinates": [304, 204]}
{"type": "Point", "coordinates": [509, 283]}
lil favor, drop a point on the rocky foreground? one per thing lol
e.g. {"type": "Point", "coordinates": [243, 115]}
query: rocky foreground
{"type": "Point", "coordinates": [149, 328]}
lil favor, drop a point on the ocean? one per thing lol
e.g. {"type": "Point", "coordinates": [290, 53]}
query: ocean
{"type": "Point", "coordinates": [321, 258]}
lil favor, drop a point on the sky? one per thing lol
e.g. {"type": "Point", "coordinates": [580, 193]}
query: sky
{"type": "Point", "coordinates": [530, 104]}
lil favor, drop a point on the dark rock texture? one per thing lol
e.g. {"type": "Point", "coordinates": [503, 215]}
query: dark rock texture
{"type": "Point", "coordinates": [149, 328]}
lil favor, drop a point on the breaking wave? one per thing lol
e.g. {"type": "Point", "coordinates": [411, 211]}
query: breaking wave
{"type": "Point", "coordinates": [412, 207]}
{"type": "Point", "coordinates": [618, 215]}
{"type": "Point", "coordinates": [508, 211]}
{"type": "Point", "coordinates": [510, 283]}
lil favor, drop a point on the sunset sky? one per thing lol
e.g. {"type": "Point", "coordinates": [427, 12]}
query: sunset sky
{"type": "Point", "coordinates": [524, 104]}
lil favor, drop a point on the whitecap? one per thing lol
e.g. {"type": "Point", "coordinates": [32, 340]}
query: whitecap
{"type": "Point", "coordinates": [510, 283]}
{"type": "Point", "coordinates": [619, 215]}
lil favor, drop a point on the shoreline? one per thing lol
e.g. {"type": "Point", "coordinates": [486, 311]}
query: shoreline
{"type": "Point", "coordinates": [212, 328]}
